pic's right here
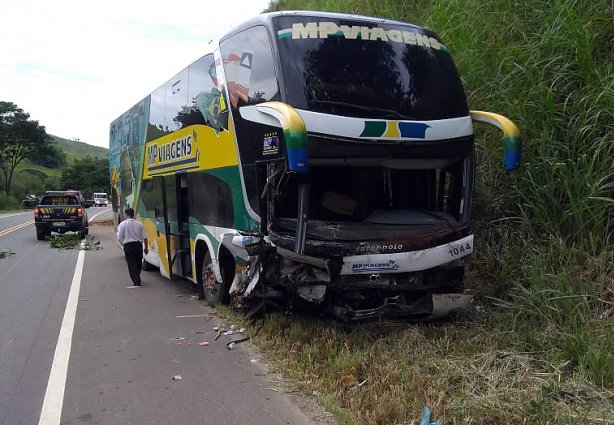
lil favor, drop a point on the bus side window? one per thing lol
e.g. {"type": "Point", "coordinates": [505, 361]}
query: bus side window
{"type": "Point", "coordinates": [211, 200]}
{"type": "Point", "coordinates": [176, 100]}
{"type": "Point", "coordinates": [249, 67]}
{"type": "Point", "coordinates": [151, 197]}
{"type": "Point", "coordinates": [157, 126]}
{"type": "Point", "coordinates": [206, 104]}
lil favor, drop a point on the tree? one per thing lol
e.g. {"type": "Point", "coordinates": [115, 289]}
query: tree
{"type": "Point", "coordinates": [51, 157]}
{"type": "Point", "coordinates": [20, 138]}
{"type": "Point", "coordinates": [88, 175]}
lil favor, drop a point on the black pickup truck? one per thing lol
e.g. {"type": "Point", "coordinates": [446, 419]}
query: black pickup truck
{"type": "Point", "coordinates": [60, 211]}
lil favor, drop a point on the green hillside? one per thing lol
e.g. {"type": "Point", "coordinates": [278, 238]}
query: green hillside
{"type": "Point", "coordinates": [79, 150]}
{"type": "Point", "coordinates": [35, 179]}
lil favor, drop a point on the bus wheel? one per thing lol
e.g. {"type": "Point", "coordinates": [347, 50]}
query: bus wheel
{"type": "Point", "coordinates": [214, 291]}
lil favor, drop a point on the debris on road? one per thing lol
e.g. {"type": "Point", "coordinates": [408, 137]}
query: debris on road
{"type": "Point", "coordinates": [203, 344]}
{"type": "Point", "coordinates": [177, 378]}
{"type": "Point", "coordinates": [6, 254]}
{"type": "Point", "coordinates": [74, 241]}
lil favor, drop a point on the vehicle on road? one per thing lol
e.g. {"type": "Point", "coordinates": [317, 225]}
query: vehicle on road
{"type": "Point", "coordinates": [60, 211]}
{"type": "Point", "coordinates": [101, 199]}
{"type": "Point", "coordinates": [309, 159]}
{"type": "Point", "coordinates": [30, 201]}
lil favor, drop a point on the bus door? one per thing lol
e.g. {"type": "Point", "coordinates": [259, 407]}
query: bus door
{"type": "Point", "coordinates": [176, 225]}
{"type": "Point", "coordinates": [162, 221]}
{"type": "Point", "coordinates": [183, 255]}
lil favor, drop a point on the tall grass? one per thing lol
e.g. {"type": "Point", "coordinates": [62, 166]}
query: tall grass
{"type": "Point", "coordinates": [548, 231]}
{"type": "Point", "coordinates": [8, 202]}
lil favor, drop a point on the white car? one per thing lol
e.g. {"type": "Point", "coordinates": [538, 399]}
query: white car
{"type": "Point", "coordinates": [100, 200]}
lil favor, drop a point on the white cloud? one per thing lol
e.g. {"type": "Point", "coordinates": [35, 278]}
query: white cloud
{"type": "Point", "coordinates": [75, 66]}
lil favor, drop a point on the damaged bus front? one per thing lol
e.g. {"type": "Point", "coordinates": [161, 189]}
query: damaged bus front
{"type": "Point", "coordinates": [309, 159]}
{"type": "Point", "coordinates": [365, 174]}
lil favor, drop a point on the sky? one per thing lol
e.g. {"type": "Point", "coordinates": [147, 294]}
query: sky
{"type": "Point", "coordinates": [75, 66]}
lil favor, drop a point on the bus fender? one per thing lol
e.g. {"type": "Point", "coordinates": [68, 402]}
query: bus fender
{"type": "Point", "coordinates": [200, 238]}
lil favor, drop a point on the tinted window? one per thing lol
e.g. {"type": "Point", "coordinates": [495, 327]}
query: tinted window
{"type": "Point", "coordinates": [157, 126]}
{"type": "Point", "coordinates": [151, 197]}
{"type": "Point", "coordinates": [366, 69]}
{"type": "Point", "coordinates": [59, 200]}
{"type": "Point", "coordinates": [203, 97]}
{"type": "Point", "coordinates": [249, 68]}
{"type": "Point", "coordinates": [176, 93]}
{"type": "Point", "coordinates": [211, 200]}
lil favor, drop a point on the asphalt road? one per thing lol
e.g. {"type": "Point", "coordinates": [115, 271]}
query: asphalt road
{"type": "Point", "coordinates": [79, 346]}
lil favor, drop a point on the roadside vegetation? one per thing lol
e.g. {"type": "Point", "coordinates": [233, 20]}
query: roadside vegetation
{"type": "Point", "coordinates": [32, 161]}
{"type": "Point", "coordinates": [539, 346]}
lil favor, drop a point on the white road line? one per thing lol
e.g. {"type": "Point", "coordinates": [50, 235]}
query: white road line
{"type": "Point", "coordinates": [13, 215]}
{"type": "Point", "coordinates": [90, 220]}
{"type": "Point", "coordinates": [51, 412]}
{"type": "Point", "coordinates": [190, 316]}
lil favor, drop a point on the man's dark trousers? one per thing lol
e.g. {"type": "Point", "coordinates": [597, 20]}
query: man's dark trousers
{"type": "Point", "coordinates": [133, 251]}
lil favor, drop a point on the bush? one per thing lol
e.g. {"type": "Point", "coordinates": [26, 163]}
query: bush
{"type": "Point", "coordinates": [8, 202]}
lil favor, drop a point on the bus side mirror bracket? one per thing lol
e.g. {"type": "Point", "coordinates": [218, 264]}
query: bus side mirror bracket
{"type": "Point", "coordinates": [511, 136]}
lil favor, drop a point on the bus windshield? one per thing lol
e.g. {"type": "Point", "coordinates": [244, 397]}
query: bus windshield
{"type": "Point", "coordinates": [367, 69]}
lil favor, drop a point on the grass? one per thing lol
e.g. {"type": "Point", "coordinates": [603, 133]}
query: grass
{"type": "Point", "coordinates": [8, 203]}
{"type": "Point", "coordinates": [542, 349]}
{"type": "Point", "coordinates": [475, 369]}
{"type": "Point", "coordinates": [78, 150]}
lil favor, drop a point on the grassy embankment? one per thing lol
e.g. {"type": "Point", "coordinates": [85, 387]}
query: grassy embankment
{"type": "Point", "coordinates": [541, 348]}
{"type": "Point", "coordinates": [35, 179]}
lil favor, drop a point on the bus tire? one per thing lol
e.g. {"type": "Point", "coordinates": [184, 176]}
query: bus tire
{"type": "Point", "coordinates": [215, 292]}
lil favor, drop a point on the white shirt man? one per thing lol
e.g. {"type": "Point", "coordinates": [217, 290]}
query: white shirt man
{"type": "Point", "coordinates": [131, 234]}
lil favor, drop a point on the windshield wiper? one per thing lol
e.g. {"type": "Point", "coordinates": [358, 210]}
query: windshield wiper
{"type": "Point", "coordinates": [388, 113]}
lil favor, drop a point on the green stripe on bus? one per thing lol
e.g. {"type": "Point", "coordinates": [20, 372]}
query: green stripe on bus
{"type": "Point", "coordinates": [373, 129]}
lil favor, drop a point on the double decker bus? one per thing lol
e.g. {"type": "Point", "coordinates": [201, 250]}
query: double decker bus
{"type": "Point", "coordinates": [309, 159]}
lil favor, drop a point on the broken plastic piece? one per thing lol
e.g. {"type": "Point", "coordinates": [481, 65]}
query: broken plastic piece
{"type": "Point", "coordinates": [230, 346]}
{"type": "Point", "coordinates": [426, 417]}
{"type": "Point", "coordinates": [177, 378]}
{"type": "Point", "coordinates": [203, 344]}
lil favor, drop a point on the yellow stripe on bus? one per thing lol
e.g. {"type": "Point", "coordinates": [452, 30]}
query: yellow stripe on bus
{"type": "Point", "coordinates": [194, 148]}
